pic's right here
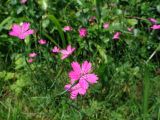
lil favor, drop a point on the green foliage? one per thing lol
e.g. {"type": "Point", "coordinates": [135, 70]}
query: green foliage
{"type": "Point", "coordinates": [128, 68]}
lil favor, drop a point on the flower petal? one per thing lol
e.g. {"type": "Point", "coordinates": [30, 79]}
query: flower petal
{"type": "Point", "coordinates": [91, 78]}
{"type": "Point", "coordinates": [67, 87]}
{"type": "Point", "coordinates": [83, 83]}
{"type": "Point", "coordinates": [76, 67]}
{"type": "Point", "coordinates": [25, 26]}
{"type": "Point", "coordinates": [82, 91]}
{"type": "Point", "coordinates": [86, 67]}
{"type": "Point", "coordinates": [74, 95]}
{"type": "Point", "coordinates": [69, 48]}
{"type": "Point", "coordinates": [16, 30]}
{"type": "Point", "coordinates": [74, 76]}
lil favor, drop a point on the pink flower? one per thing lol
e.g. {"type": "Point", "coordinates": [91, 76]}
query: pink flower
{"type": "Point", "coordinates": [32, 55]}
{"type": "Point", "coordinates": [105, 25]}
{"type": "Point", "coordinates": [116, 35]}
{"type": "Point", "coordinates": [66, 52]}
{"type": "Point", "coordinates": [55, 49]}
{"type": "Point", "coordinates": [83, 74]}
{"type": "Point", "coordinates": [23, 1]}
{"type": "Point", "coordinates": [82, 32]}
{"type": "Point", "coordinates": [75, 90]}
{"type": "Point", "coordinates": [30, 60]}
{"type": "Point", "coordinates": [42, 42]}
{"type": "Point", "coordinates": [21, 31]}
{"type": "Point", "coordinates": [67, 28]}
{"type": "Point", "coordinates": [130, 29]}
{"type": "Point", "coordinates": [155, 27]}
{"type": "Point", "coordinates": [152, 20]}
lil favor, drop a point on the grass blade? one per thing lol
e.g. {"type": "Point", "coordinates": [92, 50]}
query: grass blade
{"type": "Point", "coordinates": [146, 90]}
{"type": "Point", "coordinates": [57, 24]}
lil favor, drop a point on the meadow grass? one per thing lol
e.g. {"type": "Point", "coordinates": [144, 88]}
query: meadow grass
{"type": "Point", "coordinates": [128, 68]}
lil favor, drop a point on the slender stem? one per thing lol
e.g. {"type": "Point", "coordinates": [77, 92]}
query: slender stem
{"type": "Point", "coordinates": [146, 84]}
{"type": "Point", "coordinates": [136, 17]}
{"type": "Point", "coordinates": [146, 88]}
{"type": "Point", "coordinates": [151, 56]}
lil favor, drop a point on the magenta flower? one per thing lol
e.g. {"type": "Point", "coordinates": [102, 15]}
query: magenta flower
{"type": "Point", "coordinates": [21, 31]}
{"type": "Point", "coordinates": [155, 27]}
{"type": "Point", "coordinates": [152, 20]}
{"type": "Point", "coordinates": [82, 73]}
{"type": "Point", "coordinates": [30, 60]}
{"type": "Point", "coordinates": [42, 42]}
{"type": "Point", "coordinates": [66, 52]}
{"type": "Point", "coordinates": [105, 25]}
{"type": "Point", "coordinates": [75, 90]}
{"type": "Point", "coordinates": [67, 28]}
{"type": "Point", "coordinates": [32, 55]}
{"type": "Point", "coordinates": [23, 1]}
{"type": "Point", "coordinates": [82, 32]}
{"type": "Point", "coordinates": [55, 49]}
{"type": "Point", "coordinates": [116, 35]}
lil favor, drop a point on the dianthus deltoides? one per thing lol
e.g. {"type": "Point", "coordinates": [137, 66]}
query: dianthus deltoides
{"type": "Point", "coordinates": [21, 31]}
{"type": "Point", "coordinates": [81, 74]}
{"type": "Point", "coordinates": [67, 52]}
{"type": "Point", "coordinates": [82, 32]}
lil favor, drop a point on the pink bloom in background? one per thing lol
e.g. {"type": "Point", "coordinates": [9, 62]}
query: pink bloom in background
{"type": "Point", "coordinates": [105, 25]}
{"type": "Point", "coordinates": [23, 1]}
{"type": "Point", "coordinates": [155, 27]}
{"type": "Point", "coordinates": [32, 55]}
{"type": "Point", "coordinates": [129, 29]}
{"type": "Point", "coordinates": [82, 74]}
{"type": "Point", "coordinates": [82, 32]}
{"type": "Point", "coordinates": [42, 42]}
{"type": "Point", "coordinates": [55, 49]}
{"type": "Point", "coordinates": [21, 31]}
{"type": "Point", "coordinates": [30, 60]}
{"type": "Point", "coordinates": [116, 35]}
{"type": "Point", "coordinates": [152, 20]}
{"type": "Point", "coordinates": [67, 28]}
{"type": "Point", "coordinates": [66, 52]}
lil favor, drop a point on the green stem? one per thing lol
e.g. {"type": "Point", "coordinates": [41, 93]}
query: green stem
{"type": "Point", "coordinates": [146, 84]}
{"type": "Point", "coordinates": [146, 90]}
{"type": "Point", "coordinates": [151, 56]}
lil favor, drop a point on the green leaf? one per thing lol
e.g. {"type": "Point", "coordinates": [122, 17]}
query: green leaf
{"type": "Point", "coordinates": [22, 81]}
{"type": "Point", "coordinates": [9, 76]}
{"type": "Point", "coordinates": [132, 22]}
{"type": "Point", "coordinates": [45, 23]}
{"type": "Point", "coordinates": [43, 4]}
{"type": "Point", "coordinates": [98, 9]}
{"type": "Point", "coordinates": [20, 9]}
{"type": "Point", "coordinates": [158, 8]}
{"type": "Point", "coordinates": [57, 24]}
{"type": "Point", "coordinates": [20, 61]}
{"type": "Point", "coordinates": [5, 21]}
{"type": "Point", "coordinates": [3, 74]}
{"type": "Point", "coordinates": [102, 53]}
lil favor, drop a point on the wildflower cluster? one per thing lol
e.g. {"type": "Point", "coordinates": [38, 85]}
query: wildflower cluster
{"type": "Point", "coordinates": [81, 76]}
